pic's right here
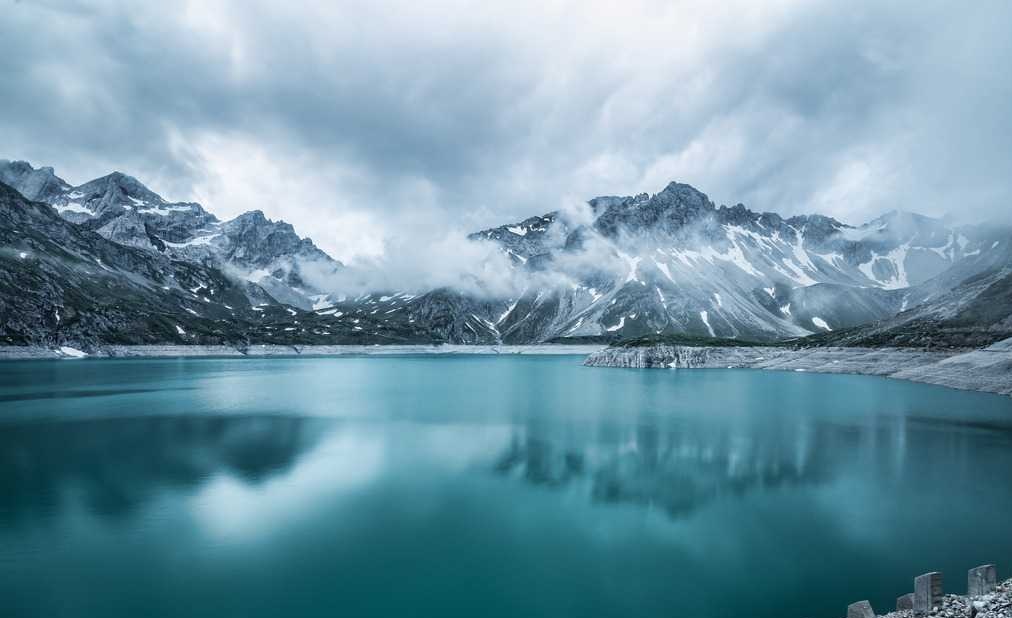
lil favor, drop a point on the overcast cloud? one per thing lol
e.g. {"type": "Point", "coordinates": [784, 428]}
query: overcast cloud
{"type": "Point", "coordinates": [368, 123]}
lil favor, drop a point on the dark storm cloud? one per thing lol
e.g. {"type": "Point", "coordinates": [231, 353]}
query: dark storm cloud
{"type": "Point", "coordinates": [364, 122]}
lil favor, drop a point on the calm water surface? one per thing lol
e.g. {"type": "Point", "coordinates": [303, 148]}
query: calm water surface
{"type": "Point", "coordinates": [486, 486]}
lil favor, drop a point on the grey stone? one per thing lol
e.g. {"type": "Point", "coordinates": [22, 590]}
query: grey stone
{"type": "Point", "coordinates": [861, 609]}
{"type": "Point", "coordinates": [905, 602]}
{"type": "Point", "coordinates": [927, 592]}
{"type": "Point", "coordinates": [984, 370]}
{"type": "Point", "coordinates": [981, 580]}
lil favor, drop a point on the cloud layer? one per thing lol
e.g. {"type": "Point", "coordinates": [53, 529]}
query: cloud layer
{"type": "Point", "coordinates": [370, 124]}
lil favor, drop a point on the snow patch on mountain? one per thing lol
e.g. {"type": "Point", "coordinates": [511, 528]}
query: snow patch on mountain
{"type": "Point", "coordinates": [704, 316]}
{"type": "Point", "coordinates": [821, 323]}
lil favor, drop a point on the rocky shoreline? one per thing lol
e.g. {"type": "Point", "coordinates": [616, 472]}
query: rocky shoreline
{"type": "Point", "coordinates": [987, 369]}
{"type": "Point", "coordinates": [985, 597]}
{"type": "Point", "coordinates": [196, 351]}
{"type": "Point", "coordinates": [996, 604]}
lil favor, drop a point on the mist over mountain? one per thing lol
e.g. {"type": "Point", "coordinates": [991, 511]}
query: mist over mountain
{"type": "Point", "coordinates": [615, 267]}
{"type": "Point", "coordinates": [675, 262]}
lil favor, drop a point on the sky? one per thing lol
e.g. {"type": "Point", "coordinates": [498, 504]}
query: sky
{"type": "Point", "coordinates": [377, 124]}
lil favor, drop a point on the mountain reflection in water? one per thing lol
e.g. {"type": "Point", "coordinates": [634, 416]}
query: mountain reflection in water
{"type": "Point", "coordinates": [507, 486]}
{"type": "Point", "coordinates": [678, 466]}
{"type": "Point", "coordinates": [112, 466]}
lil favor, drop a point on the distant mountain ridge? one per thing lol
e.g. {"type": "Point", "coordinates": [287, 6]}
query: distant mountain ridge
{"type": "Point", "coordinates": [668, 263]}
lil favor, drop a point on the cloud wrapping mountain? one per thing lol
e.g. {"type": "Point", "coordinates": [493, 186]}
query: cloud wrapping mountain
{"type": "Point", "coordinates": [671, 263]}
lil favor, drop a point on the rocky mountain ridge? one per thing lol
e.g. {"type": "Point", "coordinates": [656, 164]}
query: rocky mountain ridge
{"type": "Point", "coordinates": [672, 263]}
{"type": "Point", "coordinates": [123, 210]}
{"type": "Point", "coordinates": [62, 284]}
{"type": "Point", "coordinates": [676, 263]}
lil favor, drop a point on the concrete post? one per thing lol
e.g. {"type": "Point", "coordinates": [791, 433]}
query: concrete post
{"type": "Point", "coordinates": [861, 609]}
{"type": "Point", "coordinates": [927, 592]}
{"type": "Point", "coordinates": [905, 602]}
{"type": "Point", "coordinates": [981, 580]}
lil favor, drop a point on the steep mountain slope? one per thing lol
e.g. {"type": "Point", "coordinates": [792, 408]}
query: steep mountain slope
{"type": "Point", "coordinates": [120, 208]}
{"type": "Point", "coordinates": [62, 283]}
{"type": "Point", "coordinates": [975, 313]}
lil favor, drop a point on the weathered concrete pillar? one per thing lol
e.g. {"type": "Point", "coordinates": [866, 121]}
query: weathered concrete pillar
{"type": "Point", "coordinates": [927, 592]}
{"type": "Point", "coordinates": [905, 602]}
{"type": "Point", "coordinates": [861, 609]}
{"type": "Point", "coordinates": [981, 580]}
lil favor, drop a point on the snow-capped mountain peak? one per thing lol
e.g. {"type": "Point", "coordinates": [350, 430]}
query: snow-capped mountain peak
{"type": "Point", "coordinates": [124, 210]}
{"type": "Point", "coordinates": [668, 263]}
{"type": "Point", "coordinates": [676, 262]}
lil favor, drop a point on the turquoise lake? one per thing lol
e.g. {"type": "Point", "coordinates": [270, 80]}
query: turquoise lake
{"type": "Point", "coordinates": [486, 486]}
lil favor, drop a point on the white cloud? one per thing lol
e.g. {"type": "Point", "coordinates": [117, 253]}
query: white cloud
{"type": "Point", "coordinates": [371, 124]}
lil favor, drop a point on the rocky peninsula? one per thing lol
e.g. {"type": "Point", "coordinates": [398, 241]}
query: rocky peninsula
{"type": "Point", "coordinates": [987, 369]}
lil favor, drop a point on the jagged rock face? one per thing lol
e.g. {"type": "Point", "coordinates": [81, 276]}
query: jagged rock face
{"type": "Point", "coordinates": [256, 242]}
{"type": "Point", "coordinates": [672, 356]}
{"type": "Point", "coordinates": [668, 213]}
{"type": "Point", "coordinates": [36, 184]}
{"type": "Point", "coordinates": [131, 230]}
{"type": "Point", "coordinates": [102, 201]}
{"type": "Point", "coordinates": [531, 237]}
{"type": "Point", "coordinates": [893, 251]}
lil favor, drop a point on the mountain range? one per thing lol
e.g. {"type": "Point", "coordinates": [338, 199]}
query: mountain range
{"type": "Point", "coordinates": [110, 261]}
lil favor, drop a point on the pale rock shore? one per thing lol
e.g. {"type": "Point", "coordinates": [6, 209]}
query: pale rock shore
{"type": "Point", "coordinates": [988, 369]}
{"type": "Point", "coordinates": [188, 351]}
{"type": "Point", "coordinates": [996, 604]}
